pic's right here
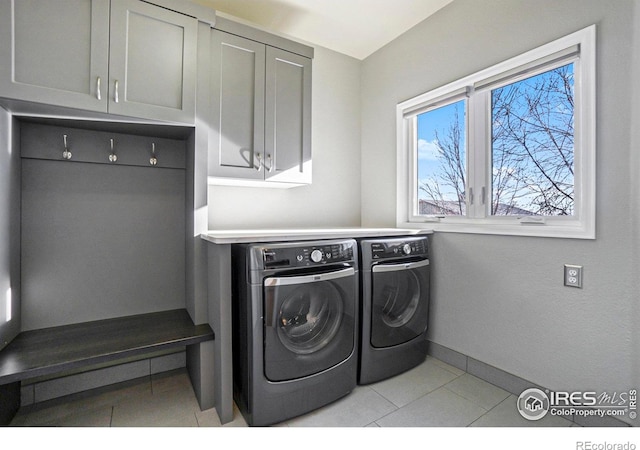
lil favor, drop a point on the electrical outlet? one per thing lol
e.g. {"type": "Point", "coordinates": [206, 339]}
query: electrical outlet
{"type": "Point", "coordinates": [572, 275]}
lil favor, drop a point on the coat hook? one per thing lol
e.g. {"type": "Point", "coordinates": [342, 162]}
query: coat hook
{"type": "Point", "coordinates": [66, 154]}
{"type": "Point", "coordinates": [112, 157]}
{"type": "Point", "coordinates": [153, 160]}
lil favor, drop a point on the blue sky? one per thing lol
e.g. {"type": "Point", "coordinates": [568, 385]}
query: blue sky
{"type": "Point", "coordinates": [437, 120]}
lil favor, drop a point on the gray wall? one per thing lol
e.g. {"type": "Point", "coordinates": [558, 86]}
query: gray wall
{"type": "Point", "coordinates": [9, 230]}
{"type": "Point", "coordinates": [334, 197]}
{"type": "Point", "coordinates": [501, 299]}
{"type": "Point", "coordinates": [99, 240]}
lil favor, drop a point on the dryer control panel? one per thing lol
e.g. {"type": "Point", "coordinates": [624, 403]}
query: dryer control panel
{"type": "Point", "coordinates": [400, 248]}
{"type": "Point", "coordinates": [313, 254]}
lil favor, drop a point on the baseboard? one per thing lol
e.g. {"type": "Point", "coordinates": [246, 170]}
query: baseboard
{"type": "Point", "coordinates": [509, 382]}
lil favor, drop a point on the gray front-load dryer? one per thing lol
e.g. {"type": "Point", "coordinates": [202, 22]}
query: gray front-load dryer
{"type": "Point", "coordinates": [395, 274]}
{"type": "Point", "coordinates": [295, 327]}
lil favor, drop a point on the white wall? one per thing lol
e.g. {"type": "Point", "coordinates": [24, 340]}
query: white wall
{"type": "Point", "coordinates": [334, 197]}
{"type": "Point", "coordinates": [501, 299]}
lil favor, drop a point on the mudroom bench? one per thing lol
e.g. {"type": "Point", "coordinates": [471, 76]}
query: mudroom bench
{"type": "Point", "coordinates": [59, 349]}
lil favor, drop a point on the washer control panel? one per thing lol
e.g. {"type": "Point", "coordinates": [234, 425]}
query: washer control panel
{"type": "Point", "coordinates": [280, 255]}
{"type": "Point", "coordinates": [400, 248]}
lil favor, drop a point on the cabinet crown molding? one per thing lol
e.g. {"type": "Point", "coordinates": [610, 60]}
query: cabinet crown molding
{"type": "Point", "coordinates": [254, 34]}
{"type": "Point", "coordinates": [202, 13]}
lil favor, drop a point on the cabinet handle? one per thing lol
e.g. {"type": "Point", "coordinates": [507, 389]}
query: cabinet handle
{"type": "Point", "coordinates": [270, 159]}
{"type": "Point", "coordinates": [98, 93]}
{"type": "Point", "coordinates": [260, 163]}
{"type": "Point", "coordinates": [116, 98]}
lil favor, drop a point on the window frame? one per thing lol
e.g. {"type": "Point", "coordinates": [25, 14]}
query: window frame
{"type": "Point", "coordinates": [578, 48]}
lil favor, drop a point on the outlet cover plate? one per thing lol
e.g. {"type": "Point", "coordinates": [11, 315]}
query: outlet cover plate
{"type": "Point", "coordinates": [572, 275]}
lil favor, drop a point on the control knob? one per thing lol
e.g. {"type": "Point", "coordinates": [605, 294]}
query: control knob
{"type": "Point", "coordinates": [406, 249]}
{"type": "Point", "coordinates": [316, 256]}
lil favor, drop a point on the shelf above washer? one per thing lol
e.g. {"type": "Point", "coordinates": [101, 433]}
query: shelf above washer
{"type": "Point", "coordinates": [271, 235]}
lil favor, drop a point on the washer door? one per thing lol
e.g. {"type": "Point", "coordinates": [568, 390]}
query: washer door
{"type": "Point", "coordinates": [400, 302]}
{"type": "Point", "coordinates": [309, 323]}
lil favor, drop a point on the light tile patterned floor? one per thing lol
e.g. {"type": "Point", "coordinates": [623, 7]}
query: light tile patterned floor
{"type": "Point", "coordinates": [433, 394]}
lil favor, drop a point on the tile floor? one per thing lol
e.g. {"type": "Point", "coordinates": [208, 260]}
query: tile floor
{"type": "Point", "coordinates": [433, 394]}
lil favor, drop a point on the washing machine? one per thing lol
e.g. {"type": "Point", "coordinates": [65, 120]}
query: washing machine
{"type": "Point", "coordinates": [295, 327]}
{"type": "Point", "coordinates": [394, 306]}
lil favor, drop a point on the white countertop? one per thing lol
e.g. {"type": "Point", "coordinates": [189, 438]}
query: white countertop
{"type": "Point", "coordinates": [273, 235]}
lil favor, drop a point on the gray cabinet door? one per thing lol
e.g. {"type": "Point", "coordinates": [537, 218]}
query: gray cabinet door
{"type": "Point", "coordinates": [237, 101]}
{"type": "Point", "coordinates": [152, 65]}
{"type": "Point", "coordinates": [261, 112]}
{"type": "Point", "coordinates": [288, 117]}
{"type": "Point", "coordinates": [55, 52]}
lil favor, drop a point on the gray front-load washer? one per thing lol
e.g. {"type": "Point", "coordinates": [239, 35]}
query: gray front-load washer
{"type": "Point", "coordinates": [295, 333]}
{"type": "Point", "coordinates": [395, 275]}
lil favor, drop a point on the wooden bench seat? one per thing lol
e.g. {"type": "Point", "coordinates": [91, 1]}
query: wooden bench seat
{"type": "Point", "coordinates": [55, 350]}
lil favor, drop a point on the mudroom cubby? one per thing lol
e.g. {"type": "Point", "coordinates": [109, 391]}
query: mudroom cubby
{"type": "Point", "coordinates": [102, 232]}
{"type": "Point", "coordinates": [105, 276]}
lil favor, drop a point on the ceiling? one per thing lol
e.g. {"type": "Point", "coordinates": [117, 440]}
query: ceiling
{"type": "Point", "coordinates": [353, 27]}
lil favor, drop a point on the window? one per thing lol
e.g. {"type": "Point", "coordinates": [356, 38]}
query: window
{"type": "Point", "coordinates": [442, 160]}
{"type": "Point", "coordinates": [508, 150]}
{"type": "Point", "coordinates": [532, 145]}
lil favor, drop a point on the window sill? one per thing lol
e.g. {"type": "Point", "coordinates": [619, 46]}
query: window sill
{"type": "Point", "coordinates": [574, 231]}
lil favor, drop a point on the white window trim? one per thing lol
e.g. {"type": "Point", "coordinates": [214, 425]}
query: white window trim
{"type": "Point", "coordinates": [582, 224]}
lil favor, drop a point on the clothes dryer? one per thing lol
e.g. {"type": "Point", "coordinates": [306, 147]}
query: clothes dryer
{"type": "Point", "coordinates": [395, 285]}
{"type": "Point", "coordinates": [295, 333]}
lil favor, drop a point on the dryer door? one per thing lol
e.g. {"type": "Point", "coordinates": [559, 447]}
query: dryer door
{"type": "Point", "coordinates": [400, 302]}
{"type": "Point", "coordinates": [309, 323]}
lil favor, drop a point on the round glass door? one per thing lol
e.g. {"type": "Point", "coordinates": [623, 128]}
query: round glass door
{"type": "Point", "coordinates": [310, 317]}
{"type": "Point", "coordinates": [399, 298]}
{"type": "Point", "coordinates": [399, 303]}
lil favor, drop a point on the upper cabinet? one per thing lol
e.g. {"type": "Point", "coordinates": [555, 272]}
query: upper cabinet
{"type": "Point", "coordinates": [55, 52]}
{"type": "Point", "coordinates": [124, 57]}
{"type": "Point", "coordinates": [236, 147]}
{"type": "Point", "coordinates": [152, 62]}
{"type": "Point", "coordinates": [287, 142]}
{"type": "Point", "coordinates": [261, 110]}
